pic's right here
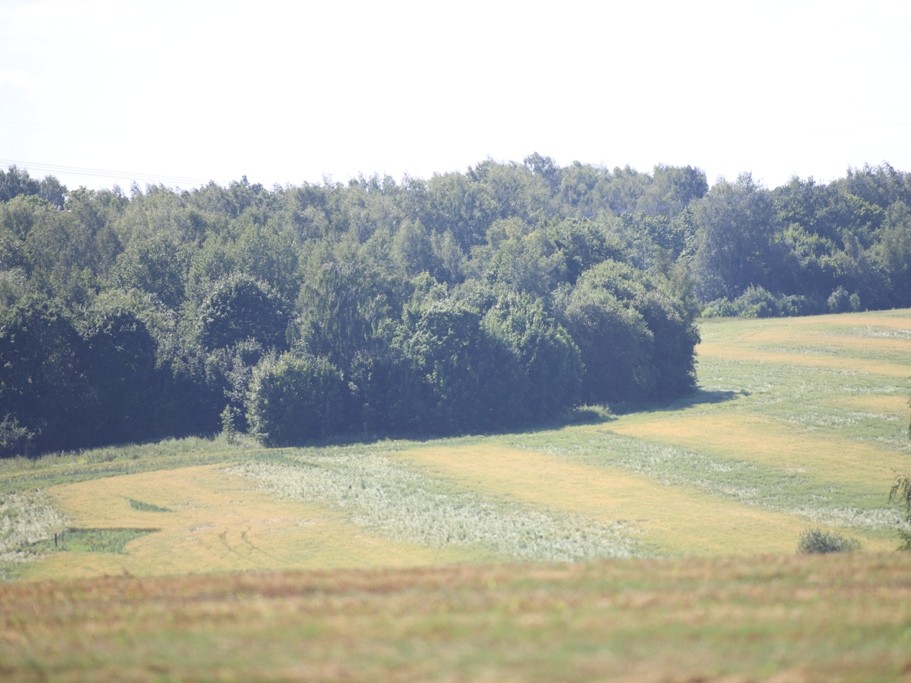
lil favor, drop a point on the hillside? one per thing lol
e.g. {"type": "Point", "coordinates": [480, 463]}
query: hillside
{"type": "Point", "coordinates": [205, 560]}
{"type": "Point", "coordinates": [798, 423]}
{"type": "Point", "coordinates": [490, 300]}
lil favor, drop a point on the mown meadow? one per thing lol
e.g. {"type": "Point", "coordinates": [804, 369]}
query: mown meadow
{"type": "Point", "coordinates": [656, 544]}
{"type": "Point", "coordinates": [782, 618]}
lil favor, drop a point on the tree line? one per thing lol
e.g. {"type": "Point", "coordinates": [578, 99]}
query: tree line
{"type": "Point", "coordinates": [494, 298]}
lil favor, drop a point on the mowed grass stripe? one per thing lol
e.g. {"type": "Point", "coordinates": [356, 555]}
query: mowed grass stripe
{"type": "Point", "coordinates": [218, 522]}
{"type": "Point", "coordinates": [837, 431]}
{"type": "Point", "coordinates": [874, 343]}
{"type": "Point", "coordinates": [840, 452]}
{"type": "Point", "coordinates": [748, 437]}
{"type": "Point", "coordinates": [898, 320]}
{"type": "Point", "coordinates": [670, 519]}
{"type": "Point", "coordinates": [888, 407]}
{"type": "Point", "coordinates": [754, 354]}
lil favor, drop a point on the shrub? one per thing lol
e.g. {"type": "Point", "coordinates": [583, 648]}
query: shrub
{"type": "Point", "coordinates": [817, 541]}
{"type": "Point", "coordinates": [15, 439]}
{"type": "Point", "coordinates": [840, 301]}
{"type": "Point", "coordinates": [295, 399]}
{"type": "Point", "coordinates": [901, 493]}
{"type": "Point", "coordinates": [720, 308]}
{"type": "Point", "coordinates": [756, 302]}
{"type": "Point", "coordinates": [799, 304]}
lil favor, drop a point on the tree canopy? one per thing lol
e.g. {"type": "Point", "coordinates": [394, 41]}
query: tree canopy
{"type": "Point", "coordinates": [494, 298]}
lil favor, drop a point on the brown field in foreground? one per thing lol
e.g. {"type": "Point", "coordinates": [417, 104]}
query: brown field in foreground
{"type": "Point", "coordinates": [782, 618]}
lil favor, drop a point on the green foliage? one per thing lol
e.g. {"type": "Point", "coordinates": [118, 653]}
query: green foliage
{"type": "Point", "coordinates": [901, 493]}
{"type": "Point", "coordinates": [840, 301]}
{"type": "Point", "coordinates": [73, 255]}
{"type": "Point", "coordinates": [157, 265]}
{"type": "Point", "coordinates": [413, 250]}
{"type": "Point", "coordinates": [817, 541]}
{"type": "Point", "coordinates": [615, 344]}
{"type": "Point", "coordinates": [92, 540]}
{"type": "Point", "coordinates": [461, 204]}
{"type": "Point", "coordinates": [295, 399]}
{"type": "Point", "coordinates": [675, 339]}
{"type": "Point", "coordinates": [388, 394]}
{"type": "Point", "coordinates": [473, 380]}
{"type": "Point", "coordinates": [758, 302]}
{"type": "Point", "coordinates": [146, 507]}
{"type": "Point", "coordinates": [736, 239]}
{"type": "Point", "coordinates": [231, 370]}
{"type": "Point", "coordinates": [270, 255]}
{"type": "Point", "coordinates": [238, 308]}
{"type": "Point", "coordinates": [636, 338]}
{"type": "Point", "coordinates": [15, 438]}
{"type": "Point", "coordinates": [672, 190]}
{"type": "Point", "coordinates": [584, 244]}
{"type": "Point", "coordinates": [544, 260]}
{"type": "Point", "coordinates": [346, 301]}
{"type": "Point", "coordinates": [45, 392]}
{"type": "Point", "coordinates": [121, 364]}
{"type": "Point", "coordinates": [15, 182]}
{"type": "Point", "coordinates": [545, 351]}
{"type": "Point", "coordinates": [229, 417]}
{"type": "Point", "coordinates": [520, 258]}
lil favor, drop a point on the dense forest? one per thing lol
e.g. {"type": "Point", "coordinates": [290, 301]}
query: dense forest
{"type": "Point", "coordinates": [496, 298]}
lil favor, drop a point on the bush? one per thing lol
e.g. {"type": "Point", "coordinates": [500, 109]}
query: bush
{"type": "Point", "coordinates": [15, 439]}
{"type": "Point", "coordinates": [901, 493]}
{"type": "Point", "coordinates": [295, 399]}
{"type": "Point", "coordinates": [720, 308]}
{"type": "Point", "coordinates": [816, 541]}
{"type": "Point", "coordinates": [757, 302]}
{"type": "Point", "coordinates": [840, 301]}
{"type": "Point", "coordinates": [799, 304]}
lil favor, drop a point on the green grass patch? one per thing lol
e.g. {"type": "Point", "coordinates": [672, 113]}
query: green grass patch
{"type": "Point", "coordinates": [146, 507]}
{"type": "Point", "coordinates": [91, 540]}
{"type": "Point", "coordinates": [17, 474]}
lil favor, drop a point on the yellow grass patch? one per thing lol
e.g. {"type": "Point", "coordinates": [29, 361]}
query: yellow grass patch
{"type": "Point", "coordinates": [869, 344]}
{"type": "Point", "coordinates": [216, 522]}
{"type": "Point", "coordinates": [745, 437]}
{"type": "Point", "coordinates": [824, 337]}
{"type": "Point", "coordinates": [674, 519]}
{"type": "Point", "coordinates": [886, 405]}
{"type": "Point", "coordinates": [728, 351]}
{"type": "Point", "coordinates": [896, 320]}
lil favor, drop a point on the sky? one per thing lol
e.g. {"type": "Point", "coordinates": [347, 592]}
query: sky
{"type": "Point", "coordinates": [183, 92]}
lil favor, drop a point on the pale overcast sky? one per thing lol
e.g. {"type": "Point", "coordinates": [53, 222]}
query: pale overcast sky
{"type": "Point", "coordinates": [180, 92]}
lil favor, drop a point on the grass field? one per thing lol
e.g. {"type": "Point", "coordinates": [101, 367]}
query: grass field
{"type": "Point", "coordinates": [779, 618]}
{"type": "Point", "coordinates": [797, 423]}
{"type": "Point", "coordinates": [680, 524]}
